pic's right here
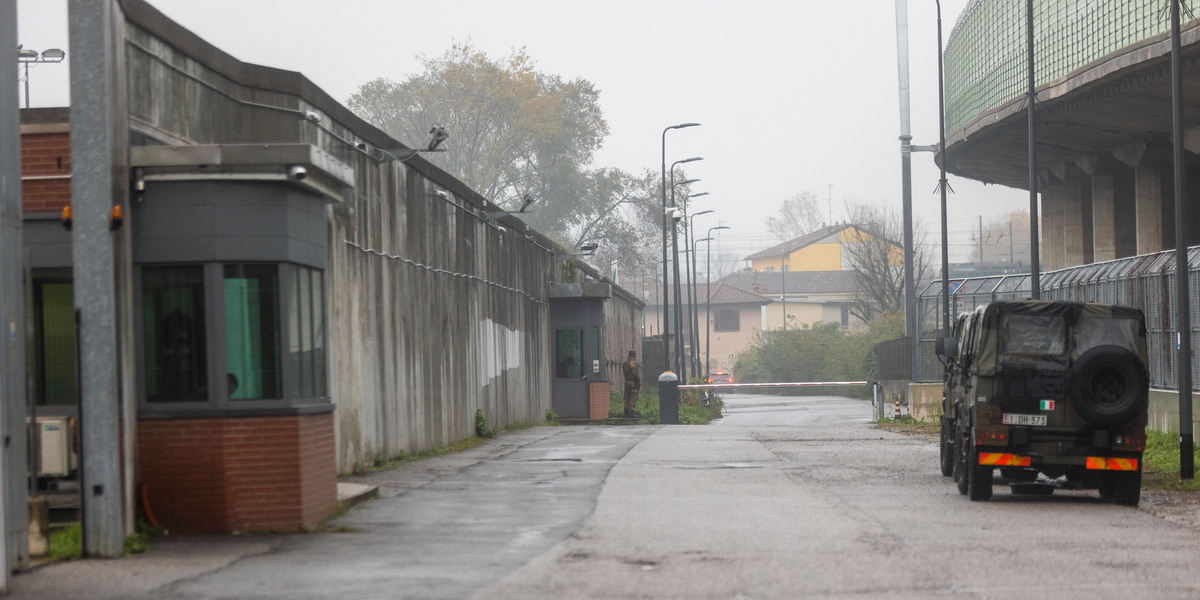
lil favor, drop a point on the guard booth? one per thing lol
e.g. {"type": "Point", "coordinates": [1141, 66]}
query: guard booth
{"type": "Point", "coordinates": [580, 385]}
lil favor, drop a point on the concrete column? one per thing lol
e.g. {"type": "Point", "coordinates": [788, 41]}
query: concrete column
{"type": "Point", "coordinates": [1053, 253]}
{"type": "Point", "coordinates": [1104, 218]}
{"type": "Point", "coordinates": [1076, 220]}
{"type": "Point", "coordinates": [1124, 210]}
{"type": "Point", "coordinates": [1150, 198]}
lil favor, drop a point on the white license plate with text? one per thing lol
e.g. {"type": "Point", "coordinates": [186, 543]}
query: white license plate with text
{"type": "Point", "coordinates": [1036, 420]}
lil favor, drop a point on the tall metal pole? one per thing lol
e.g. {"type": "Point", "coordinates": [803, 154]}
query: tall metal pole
{"type": "Point", "coordinates": [943, 185]}
{"type": "Point", "coordinates": [694, 298]}
{"type": "Point", "coordinates": [783, 288]}
{"type": "Point", "coordinates": [679, 362]}
{"type": "Point", "coordinates": [12, 307]}
{"type": "Point", "coordinates": [1183, 303]}
{"type": "Point", "coordinates": [667, 221]}
{"type": "Point", "coordinates": [910, 313]}
{"type": "Point", "coordinates": [98, 143]}
{"type": "Point", "coordinates": [708, 303]}
{"type": "Point", "coordinates": [1035, 263]}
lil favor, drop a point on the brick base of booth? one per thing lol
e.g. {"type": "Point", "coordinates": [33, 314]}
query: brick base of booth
{"type": "Point", "coordinates": [598, 400]}
{"type": "Point", "coordinates": [216, 475]}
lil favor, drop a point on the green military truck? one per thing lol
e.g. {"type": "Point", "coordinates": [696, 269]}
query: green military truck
{"type": "Point", "coordinates": [1052, 394]}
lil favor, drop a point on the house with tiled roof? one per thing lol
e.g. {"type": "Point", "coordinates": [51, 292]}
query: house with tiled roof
{"type": "Point", "coordinates": [809, 279]}
{"type": "Point", "coordinates": [733, 315]}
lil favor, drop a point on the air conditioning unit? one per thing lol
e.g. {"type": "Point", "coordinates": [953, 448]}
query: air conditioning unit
{"type": "Point", "coordinates": [58, 457]}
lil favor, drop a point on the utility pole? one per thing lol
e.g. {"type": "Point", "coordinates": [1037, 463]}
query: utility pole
{"type": "Point", "coordinates": [98, 129]}
{"type": "Point", "coordinates": [910, 307]}
{"type": "Point", "coordinates": [1183, 304]}
{"type": "Point", "coordinates": [12, 344]}
{"type": "Point", "coordinates": [1035, 263]}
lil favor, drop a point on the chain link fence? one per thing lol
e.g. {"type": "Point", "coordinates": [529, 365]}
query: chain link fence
{"type": "Point", "coordinates": [1146, 282]}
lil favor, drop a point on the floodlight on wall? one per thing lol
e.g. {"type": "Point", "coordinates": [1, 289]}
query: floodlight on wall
{"type": "Point", "coordinates": [526, 201]}
{"type": "Point", "coordinates": [437, 135]}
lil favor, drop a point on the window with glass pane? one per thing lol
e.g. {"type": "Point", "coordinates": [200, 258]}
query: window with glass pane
{"type": "Point", "coordinates": [568, 353]}
{"type": "Point", "coordinates": [306, 332]}
{"type": "Point", "coordinates": [252, 332]}
{"type": "Point", "coordinates": [54, 314]}
{"type": "Point", "coordinates": [173, 329]}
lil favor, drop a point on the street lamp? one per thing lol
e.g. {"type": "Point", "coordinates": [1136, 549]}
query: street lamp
{"type": "Point", "coordinates": [26, 56]}
{"type": "Point", "coordinates": [708, 296]}
{"type": "Point", "coordinates": [666, 220]}
{"type": "Point", "coordinates": [693, 297]}
{"type": "Point", "coordinates": [679, 363]}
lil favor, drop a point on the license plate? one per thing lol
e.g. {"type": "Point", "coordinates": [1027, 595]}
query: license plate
{"type": "Point", "coordinates": [1036, 420]}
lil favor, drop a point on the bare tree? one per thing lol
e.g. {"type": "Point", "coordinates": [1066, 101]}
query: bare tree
{"type": "Point", "coordinates": [874, 247]}
{"type": "Point", "coordinates": [797, 216]}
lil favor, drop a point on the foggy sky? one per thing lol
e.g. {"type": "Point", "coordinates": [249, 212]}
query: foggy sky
{"type": "Point", "coordinates": [792, 96]}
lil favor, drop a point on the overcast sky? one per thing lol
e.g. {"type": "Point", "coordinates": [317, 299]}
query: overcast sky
{"type": "Point", "coordinates": [792, 96]}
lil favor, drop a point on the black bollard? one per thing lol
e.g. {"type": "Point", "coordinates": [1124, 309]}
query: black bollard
{"type": "Point", "coordinates": [668, 398]}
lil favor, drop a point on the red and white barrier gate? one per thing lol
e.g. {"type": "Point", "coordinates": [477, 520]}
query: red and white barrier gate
{"type": "Point", "coordinates": [711, 386]}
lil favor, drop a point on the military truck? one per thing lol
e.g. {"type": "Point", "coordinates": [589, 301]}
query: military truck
{"type": "Point", "coordinates": [1052, 394]}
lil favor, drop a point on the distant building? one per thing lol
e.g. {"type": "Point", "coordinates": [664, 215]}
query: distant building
{"type": "Point", "coordinates": [734, 315]}
{"type": "Point", "coordinates": [809, 279]}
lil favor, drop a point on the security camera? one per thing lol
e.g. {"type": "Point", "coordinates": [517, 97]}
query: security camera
{"type": "Point", "coordinates": [501, 229]}
{"type": "Point", "coordinates": [297, 172]}
{"type": "Point", "coordinates": [442, 194]}
{"type": "Point", "coordinates": [313, 116]}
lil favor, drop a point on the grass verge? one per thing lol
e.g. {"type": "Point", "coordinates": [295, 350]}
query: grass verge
{"type": "Point", "coordinates": [692, 408]}
{"type": "Point", "coordinates": [1160, 463]}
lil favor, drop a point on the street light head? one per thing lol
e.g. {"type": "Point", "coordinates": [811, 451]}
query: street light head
{"type": "Point", "coordinates": [697, 195]}
{"type": "Point", "coordinates": [703, 212]}
{"type": "Point", "coordinates": [27, 55]}
{"type": "Point", "coordinates": [682, 125]}
{"type": "Point", "coordinates": [437, 135]}
{"type": "Point", "coordinates": [588, 248]}
{"type": "Point", "coordinates": [688, 160]}
{"type": "Point", "coordinates": [685, 182]}
{"type": "Point", "coordinates": [54, 55]}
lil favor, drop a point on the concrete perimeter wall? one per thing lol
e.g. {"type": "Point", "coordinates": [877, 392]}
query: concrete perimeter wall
{"type": "Point", "coordinates": [432, 313]}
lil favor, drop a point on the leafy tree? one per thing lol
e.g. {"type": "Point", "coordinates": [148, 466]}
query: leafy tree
{"type": "Point", "coordinates": [513, 130]}
{"type": "Point", "coordinates": [797, 216]}
{"type": "Point", "coordinates": [875, 249]}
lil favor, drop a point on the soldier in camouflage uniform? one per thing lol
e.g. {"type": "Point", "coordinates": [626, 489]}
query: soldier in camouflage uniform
{"type": "Point", "coordinates": [633, 383]}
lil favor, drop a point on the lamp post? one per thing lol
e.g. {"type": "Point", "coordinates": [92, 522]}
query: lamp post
{"type": "Point", "coordinates": [693, 297]}
{"type": "Point", "coordinates": [27, 56]}
{"type": "Point", "coordinates": [666, 220]}
{"type": "Point", "coordinates": [679, 362]}
{"type": "Point", "coordinates": [708, 296]}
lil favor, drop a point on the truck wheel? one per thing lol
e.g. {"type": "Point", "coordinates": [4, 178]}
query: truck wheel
{"type": "Point", "coordinates": [1108, 385]}
{"type": "Point", "coordinates": [947, 447]}
{"type": "Point", "coordinates": [962, 454]}
{"type": "Point", "coordinates": [1127, 487]}
{"type": "Point", "coordinates": [979, 479]}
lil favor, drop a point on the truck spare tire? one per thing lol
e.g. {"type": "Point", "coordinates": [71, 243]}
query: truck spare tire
{"type": "Point", "coordinates": [1108, 385]}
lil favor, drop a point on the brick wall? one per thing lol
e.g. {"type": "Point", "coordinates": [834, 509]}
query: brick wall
{"type": "Point", "coordinates": [239, 474]}
{"type": "Point", "coordinates": [45, 172]}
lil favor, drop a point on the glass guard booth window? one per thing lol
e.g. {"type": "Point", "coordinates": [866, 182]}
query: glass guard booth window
{"type": "Point", "coordinates": [54, 338]}
{"type": "Point", "coordinates": [306, 331]}
{"type": "Point", "coordinates": [568, 353]}
{"type": "Point", "coordinates": [252, 332]}
{"type": "Point", "coordinates": [173, 329]}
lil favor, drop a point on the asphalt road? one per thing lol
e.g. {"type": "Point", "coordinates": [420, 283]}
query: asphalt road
{"type": "Point", "coordinates": [829, 507]}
